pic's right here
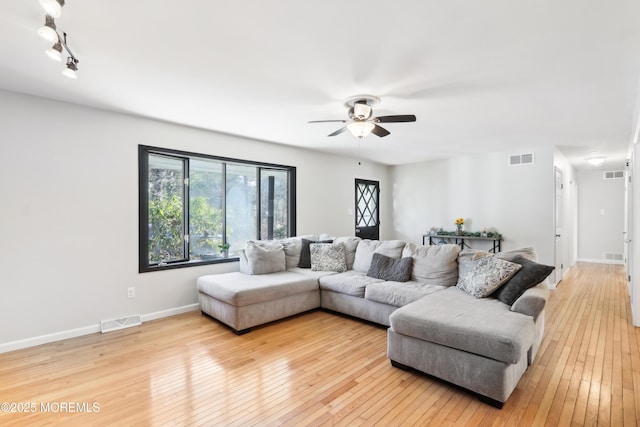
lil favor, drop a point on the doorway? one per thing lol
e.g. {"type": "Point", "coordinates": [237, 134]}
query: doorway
{"type": "Point", "coordinates": [558, 218]}
{"type": "Point", "coordinates": [367, 209]}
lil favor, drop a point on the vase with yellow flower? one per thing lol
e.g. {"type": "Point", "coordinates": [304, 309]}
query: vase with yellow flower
{"type": "Point", "coordinates": [459, 223]}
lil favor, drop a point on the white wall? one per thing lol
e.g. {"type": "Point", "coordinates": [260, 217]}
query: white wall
{"type": "Point", "coordinates": [600, 215]}
{"type": "Point", "coordinates": [515, 200]}
{"type": "Point", "coordinates": [69, 213]}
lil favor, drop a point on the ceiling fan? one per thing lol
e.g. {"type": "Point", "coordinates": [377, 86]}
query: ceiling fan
{"type": "Point", "coordinates": [360, 122]}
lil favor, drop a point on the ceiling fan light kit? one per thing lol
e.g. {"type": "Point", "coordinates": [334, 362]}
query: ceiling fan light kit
{"type": "Point", "coordinates": [49, 32]}
{"type": "Point", "coordinates": [360, 122]}
{"type": "Point", "coordinates": [360, 129]}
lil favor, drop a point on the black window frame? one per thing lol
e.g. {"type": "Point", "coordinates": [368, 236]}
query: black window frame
{"type": "Point", "coordinates": [143, 203]}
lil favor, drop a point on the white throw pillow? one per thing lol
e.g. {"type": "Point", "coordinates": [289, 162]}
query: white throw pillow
{"type": "Point", "coordinates": [265, 257]}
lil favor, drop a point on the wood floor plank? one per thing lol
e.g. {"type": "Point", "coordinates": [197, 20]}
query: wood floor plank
{"type": "Point", "coordinates": [324, 369]}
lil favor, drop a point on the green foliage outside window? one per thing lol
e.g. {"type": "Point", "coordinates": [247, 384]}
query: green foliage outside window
{"type": "Point", "coordinates": [165, 228]}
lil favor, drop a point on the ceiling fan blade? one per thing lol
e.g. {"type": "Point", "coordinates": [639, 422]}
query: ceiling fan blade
{"type": "Point", "coordinates": [338, 132]}
{"type": "Point", "coordinates": [380, 131]}
{"type": "Point", "coordinates": [395, 119]}
{"type": "Point", "coordinates": [327, 121]}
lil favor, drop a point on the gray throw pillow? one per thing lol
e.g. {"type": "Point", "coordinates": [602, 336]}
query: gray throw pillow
{"type": "Point", "coordinates": [527, 277]}
{"type": "Point", "coordinates": [393, 269]}
{"type": "Point", "coordinates": [328, 257]}
{"type": "Point", "coordinates": [489, 274]}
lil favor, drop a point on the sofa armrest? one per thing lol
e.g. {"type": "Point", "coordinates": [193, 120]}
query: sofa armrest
{"type": "Point", "coordinates": [532, 301]}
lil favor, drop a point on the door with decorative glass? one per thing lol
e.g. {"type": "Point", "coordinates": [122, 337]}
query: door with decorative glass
{"type": "Point", "coordinates": [367, 209]}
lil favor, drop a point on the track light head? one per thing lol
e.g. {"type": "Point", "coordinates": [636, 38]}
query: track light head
{"type": "Point", "coordinates": [72, 67]}
{"type": "Point", "coordinates": [48, 30]}
{"type": "Point", "coordinates": [55, 51]}
{"type": "Point", "coordinates": [52, 7]}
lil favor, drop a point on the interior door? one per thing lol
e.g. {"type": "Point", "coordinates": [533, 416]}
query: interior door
{"type": "Point", "coordinates": [558, 218]}
{"type": "Point", "coordinates": [367, 209]}
{"type": "Point", "coordinates": [628, 223]}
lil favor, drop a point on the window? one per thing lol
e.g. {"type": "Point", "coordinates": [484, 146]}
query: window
{"type": "Point", "coordinates": [197, 209]}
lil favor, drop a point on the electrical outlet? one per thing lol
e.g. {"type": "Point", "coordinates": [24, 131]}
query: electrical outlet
{"type": "Point", "coordinates": [131, 293]}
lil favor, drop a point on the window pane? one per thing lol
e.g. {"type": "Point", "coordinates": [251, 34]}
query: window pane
{"type": "Point", "coordinates": [205, 208]}
{"type": "Point", "coordinates": [242, 205]}
{"type": "Point", "coordinates": [166, 214]}
{"type": "Point", "coordinates": [273, 204]}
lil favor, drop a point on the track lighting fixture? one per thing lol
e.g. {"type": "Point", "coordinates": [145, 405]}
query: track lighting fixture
{"type": "Point", "coordinates": [72, 67]}
{"type": "Point", "coordinates": [48, 30]}
{"type": "Point", "coordinates": [55, 51]}
{"type": "Point", "coordinates": [50, 33]}
{"type": "Point", "coordinates": [52, 7]}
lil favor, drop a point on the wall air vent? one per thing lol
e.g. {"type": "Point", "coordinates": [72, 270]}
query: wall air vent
{"type": "Point", "coordinates": [613, 256]}
{"type": "Point", "coordinates": [521, 159]}
{"type": "Point", "coordinates": [116, 324]}
{"type": "Point", "coordinates": [613, 175]}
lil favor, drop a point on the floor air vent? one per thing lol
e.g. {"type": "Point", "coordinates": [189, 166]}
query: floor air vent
{"type": "Point", "coordinates": [116, 324]}
{"type": "Point", "coordinates": [521, 159]}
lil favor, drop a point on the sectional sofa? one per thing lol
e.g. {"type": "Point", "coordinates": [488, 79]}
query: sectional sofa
{"type": "Point", "coordinates": [470, 318]}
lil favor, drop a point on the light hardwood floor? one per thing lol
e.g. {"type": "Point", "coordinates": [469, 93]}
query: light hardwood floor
{"type": "Point", "coordinates": [324, 369]}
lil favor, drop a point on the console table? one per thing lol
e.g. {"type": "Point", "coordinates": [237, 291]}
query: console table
{"type": "Point", "coordinates": [463, 241]}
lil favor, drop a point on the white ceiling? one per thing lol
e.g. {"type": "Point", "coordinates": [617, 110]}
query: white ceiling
{"type": "Point", "coordinates": [498, 75]}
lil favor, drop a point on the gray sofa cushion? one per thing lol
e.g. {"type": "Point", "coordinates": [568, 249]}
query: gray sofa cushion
{"type": "Point", "coordinates": [455, 319]}
{"type": "Point", "coordinates": [366, 248]}
{"type": "Point", "coordinates": [292, 247]}
{"type": "Point", "coordinates": [527, 253]}
{"type": "Point", "coordinates": [468, 260]}
{"type": "Point", "coordinates": [399, 294]}
{"type": "Point", "coordinates": [240, 289]}
{"type": "Point", "coordinates": [350, 282]}
{"type": "Point", "coordinates": [387, 268]}
{"type": "Point", "coordinates": [350, 245]}
{"type": "Point", "coordinates": [437, 264]}
{"type": "Point", "coordinates": [532, 301]}
{"type": "Point", "coordinates": [265, 257]}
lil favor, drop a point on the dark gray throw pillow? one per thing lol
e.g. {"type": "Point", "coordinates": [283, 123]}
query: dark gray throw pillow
{"type": "Point", "coordinates": [305, 252]}
{"type": "Point", "coordinates": [387, 268]}
{"type": "Point", "coordinates": [527, 277]}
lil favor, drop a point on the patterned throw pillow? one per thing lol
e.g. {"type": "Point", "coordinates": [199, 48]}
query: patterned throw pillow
{"type": "Point", "coordinates": [489, 274]}
{"type": "Point", "coordinates": [305, 252]}
{"type": "Point", "coordinates": [328, 257]}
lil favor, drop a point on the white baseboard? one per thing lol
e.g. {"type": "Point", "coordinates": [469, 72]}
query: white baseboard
{"type": "Point", "coordinates": [170, 312]}
{"type": "Point", "coordinates": [601, 261]}
{"type": "Point", "coordinates": [87, 330]}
